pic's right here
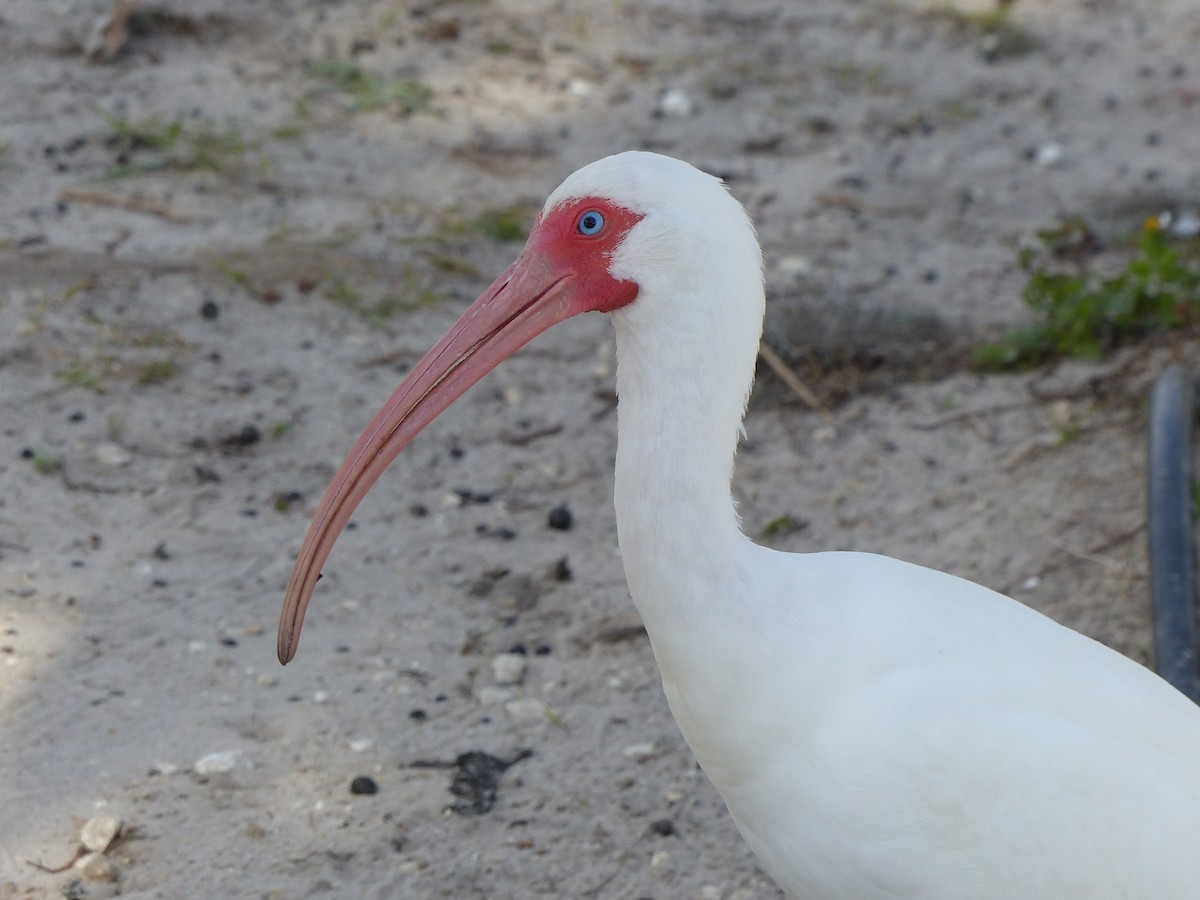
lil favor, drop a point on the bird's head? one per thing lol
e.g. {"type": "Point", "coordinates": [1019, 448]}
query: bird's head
{"type": "Point", "coordinates": [635, 235]}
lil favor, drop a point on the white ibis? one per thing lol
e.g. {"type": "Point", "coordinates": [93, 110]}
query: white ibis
{"type": "Point", "coordinates": [877, 729]}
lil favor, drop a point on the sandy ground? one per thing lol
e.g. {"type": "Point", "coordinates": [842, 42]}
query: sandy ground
{"type": "Point", "coordinates": [195, 322]}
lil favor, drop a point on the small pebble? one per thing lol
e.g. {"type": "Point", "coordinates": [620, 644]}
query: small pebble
{"type": "Point", "coordinates": [664, 828]}
{"type": "Point", "coordinates": [96, 867]}
{"type": "Point", "coordinates": [247, 437]}
{"type": "Point", "coordinates": [560, 518]}
{"type": "Point", "coordinates": [1185, 224]}
{"type": "Point", "coordinates": [490, 695]}
{"type": "Point", "coordinates": [219, 763]}
{"type": "Point", "coordinates": [508, 668]}
{"type": "Point", "coordinates": [111, 454]}
{"type": "Point", "coordinates": [1048, 154]}
{"type": "Point", "coordinates": [99, 832]}
{"type": "Point", "coordinates": [364, 785]}
{"type": "Point", "coordinates": [561, 570]}
{"type": "Point", "coordinates": [528, 709]}
{"type": "Point", "coordinates": [639, 753]}
{"type": "Point", "coordinates": [676, 104]}
{"type": "Point", "coordinates": [793, 267]}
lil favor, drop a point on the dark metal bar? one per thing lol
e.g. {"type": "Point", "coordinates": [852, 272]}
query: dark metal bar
{"type": "Point", "coordinates": [1171, 495]}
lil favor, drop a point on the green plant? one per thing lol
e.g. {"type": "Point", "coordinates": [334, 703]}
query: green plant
{"type": "Point", "coordinates": [202, 145]}
{"type": "Point", "coordinates": [383, 309]}
{"type": "Point", "coordinates": [370, 92]}
{"type": "Point", "coordinates": [46, 463]}
{"type": "Point", "coordinates": [502, 224]}
{"type": "Point", "coordinates": [149, 133]}
{"type": "Point", "coordinates": [1083, 313]}
{"type": "Point", "coordinates": [998, 36]}
{"type": "Point", "coordinates": [784, 524]}
{"type": "Point", "coordinates": [78, 374]}
{"type": "Point", "coordinates": [156, 371]}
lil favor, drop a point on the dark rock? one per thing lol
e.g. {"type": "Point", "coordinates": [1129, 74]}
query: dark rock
{"type": "Point", "coordinates": [560, 518]}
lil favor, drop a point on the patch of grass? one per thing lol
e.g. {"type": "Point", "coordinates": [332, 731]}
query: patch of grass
{"type": "Point", "coordinates": [452, 265]}
{"type": "Point", "coordinates": [457, 228]}
{"type": "Point", "coordinates": [79, 375]}
{"type": "Point", "coordinates": [46, 463]}
{"type": "Point", "coordinates": [283, 501]}
{"type": "Point", "coordinates": [413, 296]}
{"type": "Point", "coordinates": [502, 224]}
{"type": "Point", "coordinates": [959, 109]}
{"type": "Point", "coordinates": [174, 145]}
{"type": "Point", "coordinates": [289, 132]}
{"type": "Point", "coordinates": [998, 36]}
{"type": "Point", "coordinates": [215, 149]}
{"type": "Point", "coordinates": [780, 525]}
{"type": "Point", "coordinates": [344, 295]}
{"type": "Point", "coordinates": [150, 133]}
{"type": "Point", "coordinates": [850, 76]}
{"type": "Point", "coordinates": [279, 430]}
{"type": "Point", "coordinates": [238, 276]}
{"type": "Point", "coordinates": [371, 92]}
{"type": "Point", "coordinates": [157, 371]}
{"type": "Point", "coordinates": [1081, 312]}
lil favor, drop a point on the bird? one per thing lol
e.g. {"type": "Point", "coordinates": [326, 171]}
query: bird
{"type": "Point", "coordinates": [877, 729]}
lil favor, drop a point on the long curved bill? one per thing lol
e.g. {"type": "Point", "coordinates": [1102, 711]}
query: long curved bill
{"type": "Point", "coordinates": [527, 299]}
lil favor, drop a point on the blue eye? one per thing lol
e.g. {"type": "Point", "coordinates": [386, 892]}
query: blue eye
{"type": "Point", "coordinates": [591, 222]}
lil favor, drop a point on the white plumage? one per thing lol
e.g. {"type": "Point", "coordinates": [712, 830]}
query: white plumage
{"type": "Point", "coordinates": [877, 729]}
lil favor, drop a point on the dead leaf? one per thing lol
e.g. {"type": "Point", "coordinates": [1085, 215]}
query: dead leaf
{"type": "Point", "coordinates": [111, 32]}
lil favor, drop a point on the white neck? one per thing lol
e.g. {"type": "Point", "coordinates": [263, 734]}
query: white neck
{"type": "Point", "coordinates": [676, 520]}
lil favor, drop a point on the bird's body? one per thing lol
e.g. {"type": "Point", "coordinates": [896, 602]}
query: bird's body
{"type": "Point", "coordinates": [933, 740]}
{"type": "Point", "coordinates": [877, 729]}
